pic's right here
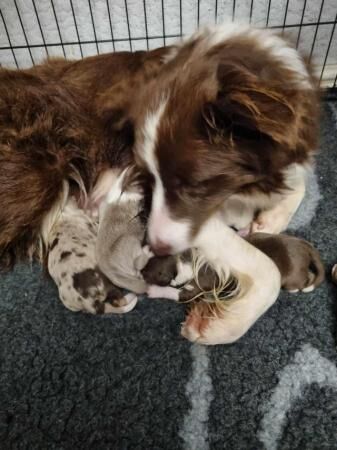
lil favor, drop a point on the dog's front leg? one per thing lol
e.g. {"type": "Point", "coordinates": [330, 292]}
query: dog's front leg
{"type": "Point", "coordinates": [277, 218]}
{"type": "Point", "coordinates": [258, 277]}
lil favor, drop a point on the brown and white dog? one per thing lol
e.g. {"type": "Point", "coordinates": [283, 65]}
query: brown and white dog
{"type": "Point", "coordinates": [225, 133]}
{"type": "Point", "coordinates": [223, 126]}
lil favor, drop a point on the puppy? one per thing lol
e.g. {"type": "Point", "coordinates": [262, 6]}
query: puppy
{"type": "Point", "coordinates": [120, 251]}
{"type": "Point", "coordinates": [298, 261]}
{"type": "Point", "coordinates": [73, 266]}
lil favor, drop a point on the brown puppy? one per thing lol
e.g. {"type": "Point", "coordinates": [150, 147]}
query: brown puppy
{"type": "Point", "coordinates": [298, 261]}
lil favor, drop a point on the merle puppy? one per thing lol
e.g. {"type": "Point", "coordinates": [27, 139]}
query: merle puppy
{"type": "Point", "coordinates": [73, 266]}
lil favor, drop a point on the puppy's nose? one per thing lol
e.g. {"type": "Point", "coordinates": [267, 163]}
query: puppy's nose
{"type": "Point", "coordinates": [161, 248]}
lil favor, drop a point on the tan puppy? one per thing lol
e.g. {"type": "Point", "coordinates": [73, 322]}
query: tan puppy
{"type": "Point", "coordinates": [119, 249]}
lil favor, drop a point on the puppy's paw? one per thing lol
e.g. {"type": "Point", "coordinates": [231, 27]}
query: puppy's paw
{"type": "Point", "coordinates": [168, 292]}
{"type": "Point", "coordinates": [120, 305]}
{"type": "Point", "coordinates": [305, 284]}
{"type": "Point", "coordinates": [148, 252]}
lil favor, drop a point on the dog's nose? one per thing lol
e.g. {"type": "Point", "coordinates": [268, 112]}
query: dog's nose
{"type": "Point", "coordinates": [161, 248]}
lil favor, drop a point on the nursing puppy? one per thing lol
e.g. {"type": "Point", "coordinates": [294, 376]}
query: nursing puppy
{"type": "Point", "coordinates": [298, 261]}
{"type": "Point", "coordinates": [212, 139]}
{"type": "Point", "coordinates": [73, 266]}
{"type": "Point", "coordinates": [120, 251]}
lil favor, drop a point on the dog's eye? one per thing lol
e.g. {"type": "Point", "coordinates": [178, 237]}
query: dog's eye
{"type": "Point", "coordinates": [177, 182]}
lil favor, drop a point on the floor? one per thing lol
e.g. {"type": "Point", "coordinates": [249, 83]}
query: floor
{"type": "Point", "coordinates": [70, 380]}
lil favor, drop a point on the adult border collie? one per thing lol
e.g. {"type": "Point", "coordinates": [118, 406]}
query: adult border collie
{"type": "Point", "coordinates": [222, 126]}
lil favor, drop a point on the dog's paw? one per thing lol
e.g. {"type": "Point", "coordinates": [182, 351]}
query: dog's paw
{"type": "Point", "coordinates": [207, 327]}
{"type": "Point", "coordinates": [194, 326]}
{"type": "Point", "coordinates": [272, 221]}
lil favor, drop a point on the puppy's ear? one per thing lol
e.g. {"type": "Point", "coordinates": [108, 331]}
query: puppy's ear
{"type": "Point", "coordinates": [246, 107]}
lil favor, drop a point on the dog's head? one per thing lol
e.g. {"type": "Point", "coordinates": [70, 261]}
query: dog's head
{"type": "Point", "coordinates": [215, 123]}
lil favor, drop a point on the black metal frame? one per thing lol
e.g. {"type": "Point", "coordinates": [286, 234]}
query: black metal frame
{"type": "Point", "coordinates": [130, 39]}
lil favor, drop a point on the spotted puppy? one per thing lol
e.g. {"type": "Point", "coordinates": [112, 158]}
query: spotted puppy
{"type": "Point", "coordinates": [298, 261]}
{"type": "Point", "coordinates": [73, 266]}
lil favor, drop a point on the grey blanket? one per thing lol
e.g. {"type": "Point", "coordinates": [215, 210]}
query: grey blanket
{"type": "Point", "coordinates": [74, 381]}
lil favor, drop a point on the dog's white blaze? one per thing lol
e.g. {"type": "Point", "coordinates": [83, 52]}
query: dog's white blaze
{"type": "Point", "coordinates": [161, 226]}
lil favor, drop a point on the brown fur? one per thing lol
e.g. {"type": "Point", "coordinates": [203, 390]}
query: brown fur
{"type": "Point", "coordinates": [60, 121]}
{"type": "Point", "coordinates": [234, 121]}
{"type": "Point", "coordinates": [44, 139]}
{"type": "Point", "coordinates": [298, 261]}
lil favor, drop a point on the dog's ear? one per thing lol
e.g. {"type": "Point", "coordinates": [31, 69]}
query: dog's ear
{"type": "Point", "coordinates": [246, 107]}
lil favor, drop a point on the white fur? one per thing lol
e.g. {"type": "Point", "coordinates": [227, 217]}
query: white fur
{"type": "Point", "coordinates": [224, 248]}
{"type": "Point", "coordinates": [168, 292]}
{"type": "Point", "coordinates": [189, 287]}
{"type": "Point", "coordinates": [308, 288]}
{"type": "Point", "coordinates": [185, 273]}
{"type": "Point", "coordinates": [277, 218]}
{"type": "Point", "coordinates": [115, 192]}
{"type": "Point", "coordinates": [109, 190]}
{"type": "Point", "coordinates": [277, 210]}
{"type": "Point", "coordinates": [278, 48]}
{"type": "Point", "coordinates": [150, 137]}
{"type": "Point", "coordinates": [161, 226]}
{"type": "Point", "coordinates": [53, 215]}
{"type": "Point", "coordinates": [103, 185]}
{"type": "Point", "coordinates": [131, 302]}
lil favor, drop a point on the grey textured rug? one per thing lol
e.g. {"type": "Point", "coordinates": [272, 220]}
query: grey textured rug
{"type": "Point", "coordinates": [74, 381]}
